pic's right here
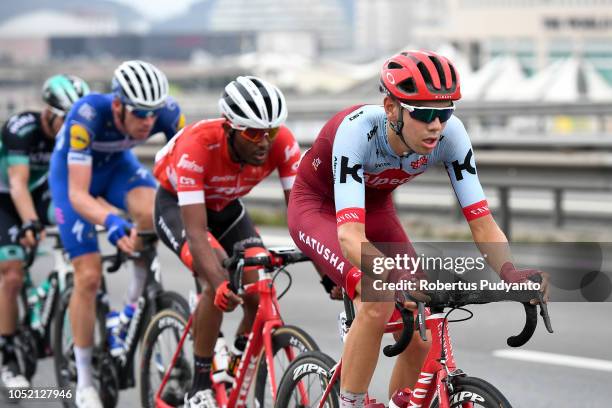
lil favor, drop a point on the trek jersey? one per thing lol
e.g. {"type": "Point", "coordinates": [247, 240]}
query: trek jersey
{"type": "Point", "coordinates": [196, 165]}
{"type": "Point", "coordinates": [23, 141]}
{"type": "Point", "coordinates": [89, 135]}
{"type": "Point", "coordinates": [351, 159]}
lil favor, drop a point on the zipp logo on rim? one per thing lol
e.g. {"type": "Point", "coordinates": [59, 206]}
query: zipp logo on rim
{"type": "Point", "coordinates": [308, 368]}
{"type": "Point", "coordinates": [464, 396]}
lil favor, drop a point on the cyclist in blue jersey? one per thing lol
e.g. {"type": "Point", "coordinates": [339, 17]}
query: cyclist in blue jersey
{"type": "Point", "coordinates": [26, 143]}
{"type": "Point", "coordinates": [341, 202]}
{"type": "Point", "coordinates": [93, 158]}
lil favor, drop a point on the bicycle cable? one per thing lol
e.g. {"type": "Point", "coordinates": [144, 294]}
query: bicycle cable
{"type": "Point", "coordinates": [286, 272]}
{"type": "Point", "coordinates": [442, 350]}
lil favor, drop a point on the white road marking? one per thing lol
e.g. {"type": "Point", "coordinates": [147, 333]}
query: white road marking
{"type": "Point", "coordinates": [555, 359]}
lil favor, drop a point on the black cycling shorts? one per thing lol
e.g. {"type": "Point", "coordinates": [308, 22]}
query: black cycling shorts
{"type": "Point", "coordinates": [230, 226]}
{"type": "Point", "coordinates": [10, 221]}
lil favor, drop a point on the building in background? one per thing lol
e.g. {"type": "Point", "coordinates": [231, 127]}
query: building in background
{"type": "Point", "coordinates": [537, 32]}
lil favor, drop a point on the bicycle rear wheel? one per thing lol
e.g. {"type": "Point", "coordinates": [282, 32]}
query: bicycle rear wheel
{"type": "Point", "coordinates": [309, 372]}
{"type": "Point", "coordinates": [472, 392]}
{"type": "Point", "coordinates": [63, 352]}
{"type": "Point", "coordinates": [159, 345]}
{"type": "Point", "coordinates": [285, 339]}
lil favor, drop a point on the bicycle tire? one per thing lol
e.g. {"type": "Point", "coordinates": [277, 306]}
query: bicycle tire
{"type": "Point", "coordinates": [283, 337]}
{"type": "Point", "coordinates": [477, 391]}
{"type": "Point", "coordinates": [165, 319]}
{"type": "Point", "coordinates": [314, 363]}
{"type": "Point", "coordinates": [65, 371]}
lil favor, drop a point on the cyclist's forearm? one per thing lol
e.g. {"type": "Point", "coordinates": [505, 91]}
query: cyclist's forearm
{"type": "Point", "coordinates": [88, 207]}
{"type": "Point", "coordinates": [23, 202]}
{"type": "Point", "coordinates": [492, 242]}
{"type": "Point", "coordinates": [205, 260]}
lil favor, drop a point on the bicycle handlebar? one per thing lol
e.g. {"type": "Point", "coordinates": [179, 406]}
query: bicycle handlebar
{"type": "Point", "coordinates": [405, 337]}
{"type": "Point", "coordinates": [463, 298]}
{"type": "Point", "coordinates": [277, 259]}
{"type": "Point", "coordinates": [119, 257]}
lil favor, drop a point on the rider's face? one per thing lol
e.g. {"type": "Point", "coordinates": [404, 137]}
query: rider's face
{"type": "Point", "coordinates": [254, 153]}
{"type": "Point", "coordinates": [138, 128]}
{"type": "Point", "coordinates": [422, 137]}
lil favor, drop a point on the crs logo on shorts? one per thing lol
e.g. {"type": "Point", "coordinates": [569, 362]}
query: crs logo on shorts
{"type": "Point", "coordinates": [79, 137]}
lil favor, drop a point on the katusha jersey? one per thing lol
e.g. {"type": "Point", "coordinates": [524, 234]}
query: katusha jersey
{"type": "Point", "coordinates": [23, 141]}
{"type": "Point", "coordinates": [197, 167]}
{"type": "Point", "coordinates": [89, 134]}
{"type": "Point", "coordinates": [351, 162]}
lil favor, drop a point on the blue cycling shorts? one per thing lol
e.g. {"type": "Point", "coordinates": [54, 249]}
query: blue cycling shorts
{"type": "Point", "coordinates": [112, 181]}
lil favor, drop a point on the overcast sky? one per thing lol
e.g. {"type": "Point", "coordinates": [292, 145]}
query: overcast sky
{"type": "Point", "coordinates": [159, 9]}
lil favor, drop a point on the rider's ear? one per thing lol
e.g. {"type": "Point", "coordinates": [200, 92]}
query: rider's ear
{"type": "Point", "coordinates": [391, 108]}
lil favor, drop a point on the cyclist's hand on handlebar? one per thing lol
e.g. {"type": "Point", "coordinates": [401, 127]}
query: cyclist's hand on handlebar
{"type": "Point", "coordinates": [127, 243]}
{"type": "Point", "coordinates": [414, 296]}
{"type": "Point", "coordinates": [31, 233]}
{"type": "Point", "coordinates": [120, 233]}
{"type": "Point", "coordinates": [512, 275]}
{"type": "Point", "coordinates": [225, 298]}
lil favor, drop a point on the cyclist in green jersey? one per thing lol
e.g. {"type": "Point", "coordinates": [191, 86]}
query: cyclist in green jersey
{"type": "Point", "coordinates": [26, 143]}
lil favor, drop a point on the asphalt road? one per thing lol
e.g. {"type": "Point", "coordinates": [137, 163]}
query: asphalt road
{"type": "Point", "coordinates": [570, 368]}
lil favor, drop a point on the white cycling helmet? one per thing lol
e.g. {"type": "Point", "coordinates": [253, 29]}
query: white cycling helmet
{"type": "Point", "coordinates": [140, 84]}
{"type": "Point", "coordinates": [251, 102]}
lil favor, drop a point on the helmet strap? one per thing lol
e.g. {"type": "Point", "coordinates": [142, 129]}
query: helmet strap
{"type": "Point", "coordinates": [122, 117]}
{"type": "Point", "coordinates": [49, 118]}
{"type": "Point", "coordinates": [398, 126]}
{"type": "Point", "coordinates": [232, 138]}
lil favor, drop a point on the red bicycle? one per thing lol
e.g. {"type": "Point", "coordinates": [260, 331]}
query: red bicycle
{"type": "Point", "coordinates": [166, 366]}
{"type": "Point", "coordinates": [312, 379]}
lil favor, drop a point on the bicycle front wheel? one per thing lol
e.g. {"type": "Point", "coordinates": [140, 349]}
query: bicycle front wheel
{"type": "Point", "coordinates": [305, 382]}
{"type": "Point", "coordinates": [287, 341]}
{"type": "Point", "coordinates": [159, 345]}
{"type": "Point", "coordinates": [474, 392]}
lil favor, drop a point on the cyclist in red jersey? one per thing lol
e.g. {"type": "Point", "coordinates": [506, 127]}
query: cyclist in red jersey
{"type": "Point", "coordinates": [203, 171]}
{"type": "Point", "coordinates": [341, 200]}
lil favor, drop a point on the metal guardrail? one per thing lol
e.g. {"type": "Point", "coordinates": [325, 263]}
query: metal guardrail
{"type": "Point", "coordinates": [507, 170]}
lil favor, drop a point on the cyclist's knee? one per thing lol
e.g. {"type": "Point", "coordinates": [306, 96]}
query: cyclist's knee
{"type": "Point", "coordinates": [418, 349]}
{"type": "Point", "coordinates": [11, 277]}
{"type": "Point", "coordinates": [251, 302]}
{"type": "Point", "coordinates": [143, 217]}
{"type": "Point", "coordinates": [377, 313]}
{"type": "Point", "coordinates": [87, 274]}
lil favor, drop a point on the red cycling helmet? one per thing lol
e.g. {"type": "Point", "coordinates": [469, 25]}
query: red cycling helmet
{"type": "Point", "coordinates": [420, 76]}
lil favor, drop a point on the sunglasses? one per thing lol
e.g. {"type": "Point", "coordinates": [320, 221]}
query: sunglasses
{"type": "Point", "coordinates": [427, 114]}
{"type": "Point", "coordinates": [257, 135]}
{"type": "Point", "coordinates": [142, 113]}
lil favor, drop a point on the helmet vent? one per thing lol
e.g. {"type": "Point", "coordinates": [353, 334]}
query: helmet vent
{"type": "Point", "coordinates": [266, 96]}
{"type": "Point", "coordinates": [425, 73]}
{"type": "Point", "coordinates": [440, 70]}
{"type": "Point", "coordinates": [407, 86]}
{"type": "Point", "coordinates": [394, 65]}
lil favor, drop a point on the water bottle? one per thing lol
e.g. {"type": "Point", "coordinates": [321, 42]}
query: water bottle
{"type": "Point", "coordinates": [221, 362]}
{"type": "Point", "coordinates": [34, 306]}
{"type": "Point", "coordinates": [43, 289]}
{"type": "Point", "coordinates": [125, 318]}
{"type": "Point", "coordinates": [342, 327]}
{"type": "Point", "coordinates": [113, 333]}
{"type": "Point", "coordinates": [236, 354]}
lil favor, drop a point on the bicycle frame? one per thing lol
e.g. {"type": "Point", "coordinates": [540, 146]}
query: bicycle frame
{"type": "Point", "coordinates": [435, 373]}
{"type": "Point", "coordinates": [267, 319]}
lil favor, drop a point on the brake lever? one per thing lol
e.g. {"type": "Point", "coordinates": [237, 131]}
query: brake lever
{"type": "Point", "coordinates": [421, 321]}
{"type": "Point", "coordinates": [544, 313]}
{"type": "Point", "coordinates": [543, 305]}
